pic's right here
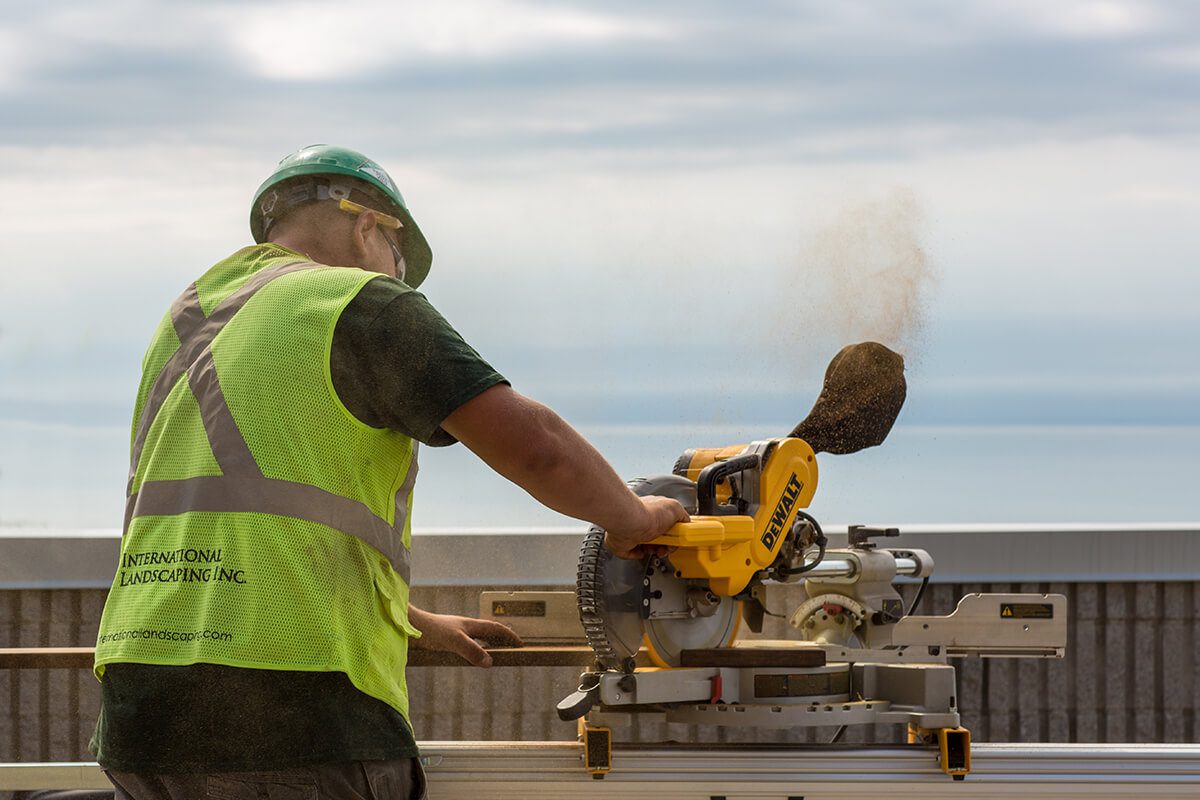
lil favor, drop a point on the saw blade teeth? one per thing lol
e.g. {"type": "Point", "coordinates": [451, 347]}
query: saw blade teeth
{"type": "Point", "coordinates": [589, 595]}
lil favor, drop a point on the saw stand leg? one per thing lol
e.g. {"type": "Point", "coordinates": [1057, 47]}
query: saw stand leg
{"type": "Point", "coordinates": [597, 748]}
{"type": "Point", "coordinates": [954, 747]}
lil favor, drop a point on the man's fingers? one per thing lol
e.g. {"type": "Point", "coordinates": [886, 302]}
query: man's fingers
{"type": "Point", "coordinates": [469, 649]}
{"type": "Point", "coordinates": [670, 511]}
{"type": "Point", "coordinates": [494, 633]}
{"type": "Point", "coordinates": [620, 549]}
{"type": "Point", "coordinates": [627, 553]}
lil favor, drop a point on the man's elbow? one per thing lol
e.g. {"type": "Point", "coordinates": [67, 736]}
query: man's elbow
{"type": "Point", "coordinates": [518, 437]}
{"type": "Point", "coordinates": [542, 445]}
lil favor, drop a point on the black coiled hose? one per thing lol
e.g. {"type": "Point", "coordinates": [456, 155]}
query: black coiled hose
{"type": "Point", "coordinates": [821, 542]}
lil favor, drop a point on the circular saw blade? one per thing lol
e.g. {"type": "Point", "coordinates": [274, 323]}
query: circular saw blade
{"type": "Point", "coordinates": [671, 628]}
{"type": "Point", "coordinates": [609, 592]}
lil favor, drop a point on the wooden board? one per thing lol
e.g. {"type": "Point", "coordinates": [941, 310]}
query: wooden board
{"type": "Point", "coordinates": [753, 657]}
{"type": "Point", "coordinates": [46, 657]}
{"type": "Point", "coordinates": [539, 656]}
{"type": "Point", "coordinates": [545, 656]}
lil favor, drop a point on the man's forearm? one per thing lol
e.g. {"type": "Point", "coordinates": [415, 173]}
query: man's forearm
{"type": "Point", "coordinates": [573, 478]}
{"type": "Point", "coordinates": [418, 619]}
{"type": "Point", "coordinates": [536, 449]}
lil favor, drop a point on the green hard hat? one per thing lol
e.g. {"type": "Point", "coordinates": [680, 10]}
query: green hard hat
{"type": "Point", "coordinates": [325, 159]}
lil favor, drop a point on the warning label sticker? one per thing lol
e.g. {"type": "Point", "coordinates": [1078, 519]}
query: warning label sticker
{"type": "Point", "coordinates": [1026, 611]}
{"type": "Point", "coordinates": [519, 608]}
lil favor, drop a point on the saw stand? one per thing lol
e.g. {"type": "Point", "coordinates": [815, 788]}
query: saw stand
{"type": "Point", "coordinates": [861, 659]}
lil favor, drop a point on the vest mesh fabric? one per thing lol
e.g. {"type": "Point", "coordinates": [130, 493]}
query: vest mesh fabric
{"type": "Point", "coordinates": [180, 445]}
{"type": "Point", "coordinates": [259, 590]}
{"type": "Point", "coordinates": [331, 447]}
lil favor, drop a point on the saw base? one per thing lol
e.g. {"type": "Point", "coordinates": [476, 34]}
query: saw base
{"type": "Point", "coordinates": [838, 693]}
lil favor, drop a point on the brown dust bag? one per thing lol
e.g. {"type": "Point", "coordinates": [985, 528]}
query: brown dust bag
{"type": "Point", "coordinates": [863, 393]}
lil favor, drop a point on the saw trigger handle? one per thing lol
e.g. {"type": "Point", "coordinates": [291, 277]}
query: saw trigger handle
{"type": "Point", "coordinates": [580, 701]}
{"type": "Point", "coordinates": [714, 473]}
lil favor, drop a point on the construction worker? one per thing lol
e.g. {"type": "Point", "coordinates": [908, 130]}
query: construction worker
{"type": "Point", "coordinates": [254, 640]}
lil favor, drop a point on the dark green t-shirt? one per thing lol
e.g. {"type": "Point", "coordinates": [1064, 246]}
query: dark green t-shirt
{"type": "Point", "coordinates": [396, 363]}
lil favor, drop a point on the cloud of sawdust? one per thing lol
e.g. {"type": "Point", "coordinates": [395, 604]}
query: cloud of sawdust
{"type": "Point", "coordinates": [863, 275]}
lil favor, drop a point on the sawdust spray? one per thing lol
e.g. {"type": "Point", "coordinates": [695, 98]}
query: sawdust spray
{"type": "Point", "coordinates": [863, 275]}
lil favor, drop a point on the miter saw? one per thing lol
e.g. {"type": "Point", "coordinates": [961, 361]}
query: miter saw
{"type": "Point", "coordinates": [858, 656]}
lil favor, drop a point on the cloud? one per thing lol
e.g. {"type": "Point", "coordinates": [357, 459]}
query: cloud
{"type": "Point", "coordinates": [14, 55]}
{"type": "Point", "coordinates": [317, 41]}
{"type": "Point", "coordinates": [482, 84]}
{"type": "Point", "coordinates": [92, 42]}
{"type": "Point", "coordinates": [1184, 57]}
{"type": "Point", "coordinates": [1084, 19]}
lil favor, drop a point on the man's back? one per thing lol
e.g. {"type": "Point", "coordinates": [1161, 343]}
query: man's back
{"type": "Point", "coordinates": [302, 444]}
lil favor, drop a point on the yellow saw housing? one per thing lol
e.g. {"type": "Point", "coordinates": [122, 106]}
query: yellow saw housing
{"type": "Point", "coordinates": [727, 550]}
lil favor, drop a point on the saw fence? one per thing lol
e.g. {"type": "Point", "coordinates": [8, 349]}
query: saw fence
{"type": "Point", "coordinates": [1130, 672]}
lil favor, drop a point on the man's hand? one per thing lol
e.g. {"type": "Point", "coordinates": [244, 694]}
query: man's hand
{"type": "Point", "coordinates": [457, 635]}
{"type": "Point", "coordinates": [661, 514]}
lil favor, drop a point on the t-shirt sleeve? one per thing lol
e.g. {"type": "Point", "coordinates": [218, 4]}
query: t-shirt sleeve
{"type": "Point", "coordinates": [397, 363]}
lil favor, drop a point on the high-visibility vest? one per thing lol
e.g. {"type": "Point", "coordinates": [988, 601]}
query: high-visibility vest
{"type": "Point", "coordinates": [266, 527]}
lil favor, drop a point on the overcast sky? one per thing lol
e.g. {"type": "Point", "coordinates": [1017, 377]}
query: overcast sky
{"type": "Point", "coordinates": [634, 203]}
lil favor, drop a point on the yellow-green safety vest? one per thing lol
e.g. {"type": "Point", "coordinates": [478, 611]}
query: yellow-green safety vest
{"type": "Point", "coordinates": [266, 527]}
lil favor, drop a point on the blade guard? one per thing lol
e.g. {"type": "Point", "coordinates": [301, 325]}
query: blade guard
{"type": "Point", "coordinates": [728, 549]}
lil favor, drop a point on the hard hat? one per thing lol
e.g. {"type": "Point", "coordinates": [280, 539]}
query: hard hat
{"type": "Point", "coordinates": [324, 159]}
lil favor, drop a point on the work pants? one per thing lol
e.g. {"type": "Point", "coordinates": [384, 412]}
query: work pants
{"type": "Point", "coordinates": [401, 779]}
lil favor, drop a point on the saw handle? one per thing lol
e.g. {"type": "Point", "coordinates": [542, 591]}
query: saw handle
{"type": "Point", "coordinates": [714, 473]}
{"type": "Point", "coordinates": [707, 532]}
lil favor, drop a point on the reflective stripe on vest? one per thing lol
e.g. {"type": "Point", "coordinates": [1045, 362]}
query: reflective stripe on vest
{"type": "Point", "coordinates": [242, 487]}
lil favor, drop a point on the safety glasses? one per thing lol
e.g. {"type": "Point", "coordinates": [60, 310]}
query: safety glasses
{"type": "Point", "coordinates": [386, 220]}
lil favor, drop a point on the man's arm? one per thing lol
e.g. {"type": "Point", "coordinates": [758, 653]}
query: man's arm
{"type": "Point", "coordinates": [396, 363]}
{"type": "Point", "coordinates": [536, 449]}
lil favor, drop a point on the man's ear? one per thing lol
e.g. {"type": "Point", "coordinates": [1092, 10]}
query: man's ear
{"type": "Point", "coordinates": [364, 226]}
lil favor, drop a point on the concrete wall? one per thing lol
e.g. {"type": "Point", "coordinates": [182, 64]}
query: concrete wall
{"type": "Point", "coordinates": [1130, 675]}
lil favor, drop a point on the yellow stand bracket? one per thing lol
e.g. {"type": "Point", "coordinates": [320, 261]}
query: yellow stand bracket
{"type": "Point", "coordinates": [954, 748]}
{"type": "Point", "coordinates": [597, 748]}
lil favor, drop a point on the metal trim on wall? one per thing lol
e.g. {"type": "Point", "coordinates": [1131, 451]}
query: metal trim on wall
{"type": "Point", "coordinates": [531, 557]}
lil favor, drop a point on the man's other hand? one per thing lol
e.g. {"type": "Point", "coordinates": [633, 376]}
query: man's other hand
{"type": "Point", "coordinates": [453, 634]}
{"type": "Point", "coordinates": [660, 514]}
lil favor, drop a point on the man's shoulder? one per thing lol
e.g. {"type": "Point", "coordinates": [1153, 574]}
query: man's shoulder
{"type": "Point", "coordinates": [385, 289]}
{"type": "Point", "coordinates": [383, 297]}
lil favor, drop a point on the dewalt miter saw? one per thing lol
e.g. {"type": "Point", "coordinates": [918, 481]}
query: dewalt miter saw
{"type": "Point", "coordinates": [858, 655]}
{"type": "Point", "coordinates": [747, 523]}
